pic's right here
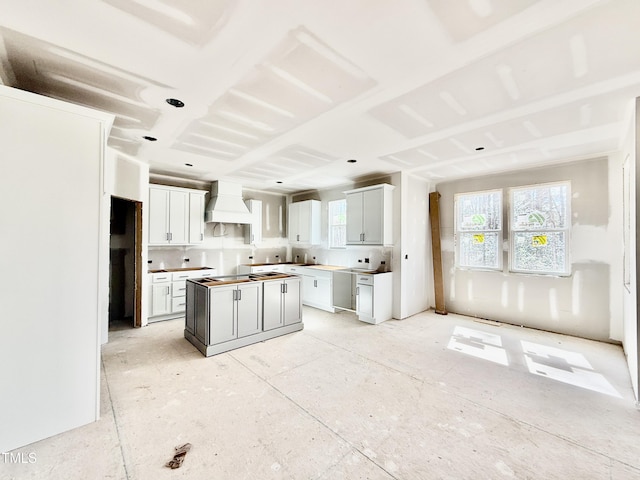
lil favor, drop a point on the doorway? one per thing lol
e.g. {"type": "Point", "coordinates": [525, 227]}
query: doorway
{"type": "Point", "coordinates": [125, 269]}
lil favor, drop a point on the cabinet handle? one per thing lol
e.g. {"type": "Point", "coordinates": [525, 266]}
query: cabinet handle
{"type": "Point", "coordinates": [235, 295]}
{"type": "Point", "coordinates": [297, 238]}
{"type": "Point", "coordinates": [357, 290]}
{"type": "Point", "coordinates": [167, 235]}
{"type": "Point", "coordinates": [239, 295]}
{"type": "Point", "coordinates": [170, 236]}
{"type": "Point", "coordinates": [168, 290]}
{"type": "Point", "coordinates": [315, 283]}
{"type": "Point", "coordinates": [202, 236]}
{"type": "Point", "coordinates": [286, 288]}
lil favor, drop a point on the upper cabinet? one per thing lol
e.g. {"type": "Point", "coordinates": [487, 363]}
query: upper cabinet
{"type": "Point", "coordinates": [196, 217]}
{"type": "Point", "coordinates": [253, 230]}
{"type": "Point", "coordinates": [304, 223]}
{"type": "Point", "coordinates": [370, 215]}
{"type": "Point", "coordinates": [176, 215]}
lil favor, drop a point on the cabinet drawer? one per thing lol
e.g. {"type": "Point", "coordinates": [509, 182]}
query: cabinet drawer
{"type": "Point", "coordinates": [160, 277]}
{"type": "Point", "coordinates": [365, 279]}
{"type": "Point", "coordinates": [178, 289]}
{"type": "Point", "coordinates": [178, 304]}
{"type": "Point", "coordinates": [177, 276]}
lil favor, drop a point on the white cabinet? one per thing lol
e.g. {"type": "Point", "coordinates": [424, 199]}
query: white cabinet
{"type": "Point", "coordinates": [281, 303]}
{"type": "Point", "coordinates": [172, 220]}
{"type": "Point", "coordinates": [168, 292]}
{"type": "Point", "coordinates": [370, 215]}
{"type": "Point", "coordinates": [304, 223]}
{"type": "Point", "coordinates": [260, 268]}
{"type": "Point", "coordinates": [373, 297]}
{"type": "Point", "coordinates": [236, 311]}
{"type": "Point", "coordinates": [317, 286]}
{"type": "Point", "coordinates": [196, 217]}
{"type": "Point", "coordinates": [253, 231]}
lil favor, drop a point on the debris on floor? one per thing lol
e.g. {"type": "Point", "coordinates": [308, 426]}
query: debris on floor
{"type": "Point", "coordinates": [178, 458]}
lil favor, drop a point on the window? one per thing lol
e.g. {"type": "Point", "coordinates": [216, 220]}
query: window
{"type": "Point", "coordinates": [338, 223]}
{"type": "Point", "coordinates": [478, 230]}
{"type": "Point", "coordinates": [540, 223]}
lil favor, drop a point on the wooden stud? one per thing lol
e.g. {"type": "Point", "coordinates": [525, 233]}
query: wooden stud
{"type": "Point", "coordinates": [434, 217]}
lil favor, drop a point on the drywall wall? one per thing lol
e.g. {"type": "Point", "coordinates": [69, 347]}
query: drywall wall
{"type": "Point", "coordinates": [49, 336]}
{"type": "Point", "coordinates": [581, 304]}
{"type": "Point", "coordinates": [631, 184]}
{"type": "Point", "coordinates": [416, 269]}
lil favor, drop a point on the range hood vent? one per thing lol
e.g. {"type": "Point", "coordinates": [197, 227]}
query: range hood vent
{"type": "Point", "coordinates": [226, 204]}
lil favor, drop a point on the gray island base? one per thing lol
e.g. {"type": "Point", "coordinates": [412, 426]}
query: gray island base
{"type": "Point", "coordinates": [225, 313]}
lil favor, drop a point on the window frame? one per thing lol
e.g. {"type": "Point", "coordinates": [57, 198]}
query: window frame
{"type": "Point", "coordinates": [566, 272]}
{"type": "Point", "coordinates": [499, 232]}
{"type": "Point", "coordinates": [332, 225]}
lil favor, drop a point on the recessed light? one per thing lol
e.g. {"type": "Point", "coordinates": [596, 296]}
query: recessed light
{"type": "Point", "coordinates": [150, 138]}
{"type": "Point", "coordinates": [174, 102]}
{"type": "Point", "coordinates": [189, 164]}
{"type": "Point", "coordinates": [351, 160]}
{"type": "Point", "coordinates": [479, 148]}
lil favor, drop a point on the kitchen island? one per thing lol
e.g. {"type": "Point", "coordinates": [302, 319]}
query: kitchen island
{"type": "Point", "coordinates": [228, 312]}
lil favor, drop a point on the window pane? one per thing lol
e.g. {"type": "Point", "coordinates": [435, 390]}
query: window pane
{"type": "Point", "coordinates": [540, 208]}
{"type": "Point", "coordinates": [337, 223]}
{"type": "Point", "coordinates": [338, 236]}
{"type": "Point", "coordinates": [479, 250]}
{"type": "Point", "coordinates": [539, 252]}
{"type": "Point", "coordinates": [479, 211]}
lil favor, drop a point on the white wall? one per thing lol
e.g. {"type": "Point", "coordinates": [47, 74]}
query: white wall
{"type": "Point", "coordinates": [51, 209]}
{"type": "Point", "coordinates": [630, 152]}
{"type": "Point", "coordinates": [416, 270]}
{"type": "Point", "coordinates": [585, 304]}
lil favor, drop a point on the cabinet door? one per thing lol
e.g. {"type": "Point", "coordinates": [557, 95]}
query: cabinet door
{"type": "Point", "coordinates": [308, 289]}
{"type": "Point", "coordinates": [354, 217]}
{"type": "Point", "coordinates": [293, 222]}
{"type": "Point", "coordinates": [249, 311]}
{"type": "Point", "coordinates": [364, 300]}
{"type": "Point", "coordinates": [178, 217]}
{"type": "Point", "coordinates": [158, 216]}
{"type": "Point", "coordinates": [190, 311]}
{"type": "Point", "coordinates": [222, 314]}
{"type": "Point", "coordinates": [253, 231]}
{"type": "Point", "coordinates": [372, 213]}
{"type": "Point", "coordinates": [291, 302]}
{"type": "Point", "coordinates": [161, 299]}
{"type": "Point", "coordinates": [304, 222]}
{"type": "Point", "coordinates": [272, 305]}
{"type": "Point", "coordinates": [324, 294]}
{"type": "Point", "coordinates": [200, 313]}
{"type": "Point", "coordinates": [196, 218]}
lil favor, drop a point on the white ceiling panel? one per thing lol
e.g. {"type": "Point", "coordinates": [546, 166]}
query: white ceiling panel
{"type": "Point", "coordinates": [283, 91]}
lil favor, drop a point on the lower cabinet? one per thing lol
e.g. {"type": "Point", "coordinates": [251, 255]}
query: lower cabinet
{"type": "Point", "coordinates": [167, 293]}
{"type": "Point", "coordinates": [374, 297]}
{"type": "Point", "coordinates": [317, 289]}
{"type": "Point", "coordinates": [237, 311]}
{"type": "Point", "coordinates": [220, 318]}
{"type": "Point", "coordinates": [161, 298]}
{"type": "Point", "coordinates": [281, 303]}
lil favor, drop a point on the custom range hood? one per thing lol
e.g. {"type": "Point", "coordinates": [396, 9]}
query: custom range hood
{"type": "Point", "coordinates": [226, 204]}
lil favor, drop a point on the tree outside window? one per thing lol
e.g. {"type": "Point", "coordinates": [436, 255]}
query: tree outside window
{"type": "Point", "coordinates": [478, 230]}
{"type": "Point", "coordinates": [540, 222]}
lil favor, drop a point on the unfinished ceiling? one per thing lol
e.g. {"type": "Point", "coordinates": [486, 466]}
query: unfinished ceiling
{"type": "Point", "coordinates": [279, 94]}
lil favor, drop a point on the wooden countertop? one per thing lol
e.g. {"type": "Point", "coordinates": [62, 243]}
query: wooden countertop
{"type": "Point", "coordinates": [186, 269]}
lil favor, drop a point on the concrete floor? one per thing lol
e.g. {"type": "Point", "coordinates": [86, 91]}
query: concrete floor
{"type": "Point", "coordinates": [429, 397]}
